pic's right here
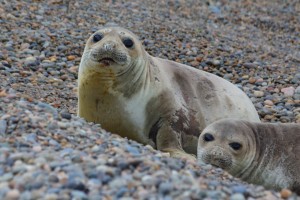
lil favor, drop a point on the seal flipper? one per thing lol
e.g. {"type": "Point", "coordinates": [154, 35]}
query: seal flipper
{"type": "Point", "coordinates": [170, 141]}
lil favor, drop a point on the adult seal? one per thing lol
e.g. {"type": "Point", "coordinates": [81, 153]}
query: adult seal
{"type": "Point", "coordinates": [152, 100]}
{"type": "Point", "coordinates": [260, 153]}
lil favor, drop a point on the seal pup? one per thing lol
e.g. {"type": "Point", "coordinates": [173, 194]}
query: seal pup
{"type": "Point", "coordinates": [152, 100]}
{"type": "Point", "coordinates": [261, 153]}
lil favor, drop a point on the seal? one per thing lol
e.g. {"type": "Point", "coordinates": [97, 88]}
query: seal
{"type": "Point", "coordinates": [149, 99]}
{"type": "Point", "coordinates": [261, 153]}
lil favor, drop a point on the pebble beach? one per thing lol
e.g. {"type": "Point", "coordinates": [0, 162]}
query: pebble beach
{"type": "Point", "coordinates": [47, 152]}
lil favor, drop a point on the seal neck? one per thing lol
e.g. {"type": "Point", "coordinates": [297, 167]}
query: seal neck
{"type": "Point", "coordinates": [263, 148]}
{"type": "Point", "coordinates": [135, 78]}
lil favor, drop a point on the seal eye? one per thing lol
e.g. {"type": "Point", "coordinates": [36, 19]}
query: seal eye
{"type": "Point", "coordinates": [128, 42]}
{"type": "Point", "coordinates": [236, 146]}
{"type": "Point", "coordinates": [208, 137]}
{"type": "Point", "coordinates": [97, 38]}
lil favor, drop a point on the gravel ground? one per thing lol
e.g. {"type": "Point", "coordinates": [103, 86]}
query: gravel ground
{"type": "Point", "coordinates": [46, 152]}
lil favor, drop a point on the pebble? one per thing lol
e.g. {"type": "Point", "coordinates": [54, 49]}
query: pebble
{"type": "Point", "coordinates": [71, 57]}
{"type": "Point", "coordinates": [258, 93]}
{"type": "Point", "coordinates": [165, 188]}
{"type": "Point", "coordinates": [12, 195]}
{"type": "Point", "coordinates": [285, 193]}
{"type": "Point", "coordinates": [3, 127]}
{"type": "Point", "coordinates": [66, 115]}
{"type": "Point", "coordinates": [78, 195]}
{"type": "Point", "coordinates": [30, 60]}
{"type": "Point", "coordinates": [268, 103]}
{"type": "Point", "coordinates": [148, 180]}
{"type": "Point", "coordinates": [288, 92]}
{"type": "Point", "coordinates": [216, 63]}
{"type": "Point", "coordinates": [250, 65]}
{"type": "Point", "coordinates": [252, 80]}
{"type": "Point", "coordinates": [194, 63]}
{"type": "Point", "coordinates": [51, 196]}
{"type": "Point", "coordinates": [228, 76]}
{"type": "Point", "coordinates": [239, 189]}
{"type": "Point", "coordinates": [237, 196]}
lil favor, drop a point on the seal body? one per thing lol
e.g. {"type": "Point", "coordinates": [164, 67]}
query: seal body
{"type": "Point", "coordinates": [152, 100]}
{"type": "Point", "coordinates": [260, 153]}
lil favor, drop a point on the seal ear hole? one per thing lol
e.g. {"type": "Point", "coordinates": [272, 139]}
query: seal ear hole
{"type": "Point", "coordinates": [128, 42]}
{"type": "Point", "coordinates": [235, 146]}
{"type": "Point", "coordinates": [97, 37]}
{"type": "Point", "coordinates": [207, 137]}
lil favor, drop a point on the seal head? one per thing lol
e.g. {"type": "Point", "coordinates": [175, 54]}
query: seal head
{"type": "Point", "coordinates": [261, 153]}
{"type": "Point", "coordinates": [111, 51]}
{"type": "Point", "coordinates": [228, 149]}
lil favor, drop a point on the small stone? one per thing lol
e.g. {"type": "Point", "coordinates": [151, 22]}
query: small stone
{"type": "Point", "coordinates": [3, 126]}
{"type": "Point", "coordinates": [245, 77]}
{"type": "Point", "coordinates": [259, 80]}
{"type": "Point", "coordinates": [216, 63]}
{"type": "Point", "coordinates": [37, 148]}
{"type": "Point", "coordinates": [228, 76]}
{"type": "Point", "coordinates": [6, 177]}
{"type": "Point", "coordinates": [78, 194]}
{"type": "Point", "coordinates": [64, 77]}
{"type": "Point", "coordinates": [258, 93]}
{"type": "Point", "coordinates": [73, 69]}
{"type": "Point", "coordinates": [31, 138]}
{"type": "Point", "coordinates": [252, 80]}
{"type": "Point", "coordinates": [30, 60]}
{"type": "Point", "coordinates": [199, 58]}
{"type": "Point", "coordinates": [66, 115]}
{"type": "Point", "coordinates": [268, 103]}
{"type": "Point", "coordinates": [24, 46]}
{"type": "Point", "coordinates": [297, 91]}
{"type": "Point", "coordinates": [3, 93]}
{"type": "Point", "coordinates": [285, 193]}
{"type": "Point", "coordinates": [250, 65]}
{"type": "Point", "coordinates": [71, 57]}
{"type": "Point", "coordinates": [132, 150]}
{"type": "Point", "coordinates": [52, 58]}
{"type": "Point", "coordinates": [53, 178]}
{"type": "Point", "coordinates": [148, 180]}
{"type": "Point", "coordinates": [239, 189]}
{"type": "Point", "coordinates": [10, 16]}
{"type": "Point", "coordinates": [165, 188]}
{"type": "Point", "coordinates": [76, 185]}
{"type": "Point", "coordinates": [194, 63]}
{"type": "Point", "coordinates": [12, 195]}
{"type": "Point", "coordinates": [288, 92]}
{"type": "Point", "coordinates": [237, 196]}
{"type": "Point", "coordinates": [51, 196]}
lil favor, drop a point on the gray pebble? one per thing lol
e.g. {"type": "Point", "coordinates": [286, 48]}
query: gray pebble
{"type": "Point", "coordinates": [78, 195]}
{"type": "Point", "coordinates": [66, 115]}
{"type": "Point", "coordinates": [239, 189]}
{"type": "Point", "coordinates": [165, 188]}
{"type": "Point", "coordinates": [237, 196]}
{"type": "Point", "coordinates": [249, 65]}
{"type": "Point", "coordinates": [3, 127]}
{"type": "Point", "coordinates": [228, 76]}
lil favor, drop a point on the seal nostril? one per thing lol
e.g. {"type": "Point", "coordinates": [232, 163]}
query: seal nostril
{"type": "Point", "coordinates": [109, 46]}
